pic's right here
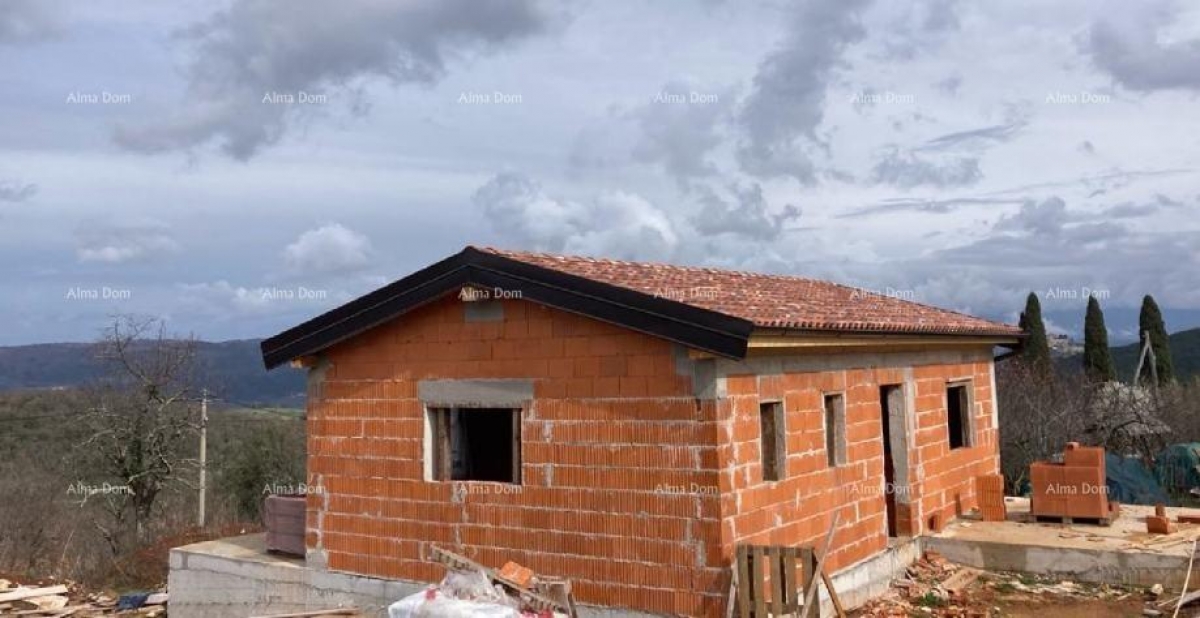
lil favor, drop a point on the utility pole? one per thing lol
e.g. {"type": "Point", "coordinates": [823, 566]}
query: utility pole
{"type": "Point", "coordinates": [203, 450]}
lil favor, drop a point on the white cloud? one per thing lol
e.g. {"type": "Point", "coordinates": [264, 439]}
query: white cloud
{"type": "Point", "coordinates": [331, 248]}
{"type": "Point", "coordinates": [120, 243]}
{"type": "Point", "coordinates": [615, 224]}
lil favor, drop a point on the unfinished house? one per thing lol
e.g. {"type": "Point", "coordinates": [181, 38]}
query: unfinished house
{"type": "Point", "coordinates": [628, 425]}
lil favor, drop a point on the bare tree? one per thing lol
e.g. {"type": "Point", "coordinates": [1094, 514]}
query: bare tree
{"type": "Point", "coordinates": [1040, 413]}
{"type": "Point", "coordinates": [140, 419]}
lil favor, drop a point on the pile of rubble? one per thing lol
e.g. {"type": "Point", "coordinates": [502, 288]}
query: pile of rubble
{"type": "Point", "coordinates": [934, 586]}
{"type": "Point", "coordinates": [63, 600]}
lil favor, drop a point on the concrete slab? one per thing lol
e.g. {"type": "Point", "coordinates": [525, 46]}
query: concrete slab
{"type": "Point", "coordinates": [237, 577]}
{"type": "Point", "coordinates": [1123, 553]}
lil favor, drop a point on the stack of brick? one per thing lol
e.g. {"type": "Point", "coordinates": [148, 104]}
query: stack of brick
{"type": "Point", "coordinates": [1073, 489]}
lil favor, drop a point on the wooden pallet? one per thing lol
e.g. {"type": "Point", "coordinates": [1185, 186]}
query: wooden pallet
{"type": "Point", "coordinates": [1070, 521]}
{"type": "Point", "coordinates": [759, 595]}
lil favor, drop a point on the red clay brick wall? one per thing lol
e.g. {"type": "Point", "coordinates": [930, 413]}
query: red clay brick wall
{"type": "Point", "coordinates": [797, 509]}
{"type": "Point", "coordinates": [619, 460]}
{"type": "Point", "coordinates": [945, 479]}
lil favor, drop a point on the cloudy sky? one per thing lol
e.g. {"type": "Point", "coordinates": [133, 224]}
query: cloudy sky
{"type": "Point", "coordinates": [236, 167]}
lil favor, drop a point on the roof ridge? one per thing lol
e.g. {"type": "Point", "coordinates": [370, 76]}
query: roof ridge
{"type": "Point", "coordinates": [748, 273]}
{"type": "Point", "coordinates": [684, 267]}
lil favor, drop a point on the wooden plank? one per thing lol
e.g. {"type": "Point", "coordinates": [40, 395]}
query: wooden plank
{"type": "Point", "coordinates": [744, 582]}
{"type": "Point", "coordinates": [28, 593]}
{"type": "Point", "coordinates": [777, 589]}
{"type": "Point", "coordinates": [1188, 578]}
{"type": "Point", "coordinates": [733, 580]}
{"type": "Point", "coordinates": [342, 611]}
{"type": "Point", "coordinates": [808, 561]}
{"type": "Point", "coordinates": [516, 446]}
{"type": "Point", "coordinates": [833, 595]}
{"type": "Point", "coordinates": [442, 469]}
{"type": "Point", "coordinates": [790, 555]}
{"type": "Point", "coordinates": [811, 594]}
{"type": "Point", "coordinates": [758, 574]}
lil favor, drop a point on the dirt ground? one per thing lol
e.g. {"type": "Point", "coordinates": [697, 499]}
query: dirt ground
{"type": "Point", "coordinates": [934, 587]}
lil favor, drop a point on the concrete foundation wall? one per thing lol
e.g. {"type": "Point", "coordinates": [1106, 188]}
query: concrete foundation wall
{"type": "Point", "coordinates": [207, 582]}
{"type": "Point", "coordinates": [1105, 566]}
{"type": "Point", "coordinates": [236, 577]}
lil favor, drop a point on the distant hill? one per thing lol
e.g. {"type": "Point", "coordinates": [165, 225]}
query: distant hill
{"type": "Point", "coordinates": [232, 370]}
{"type": "Point", "coordinates": [1185, 354]}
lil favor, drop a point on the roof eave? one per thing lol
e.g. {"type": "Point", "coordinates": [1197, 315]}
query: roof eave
{"type": "Point", "coordinates": [687, 325]}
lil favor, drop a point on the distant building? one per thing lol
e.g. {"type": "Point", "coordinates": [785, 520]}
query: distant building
{"type": "Point", "coordinates": [1063, 345]}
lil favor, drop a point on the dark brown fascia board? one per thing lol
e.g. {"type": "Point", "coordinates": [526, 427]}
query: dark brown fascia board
{"type": "Point", "coordinates": [690, 326]}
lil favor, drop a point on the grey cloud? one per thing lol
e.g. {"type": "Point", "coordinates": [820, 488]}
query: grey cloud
{"type": "Point", "coordinates": [679, 134]}
{"type": "Point", "coordinates": [1132, 210]}
{"type": "Point", "coordinates": [930, 205]}
{"type": "Point", "coordinates": [16, 192]}
{"type": "Point", "coordinates": [120, 243]}
{"type": "Point", "coordinates": [950, 85]}
{"type": "Point", "coordinates": [615, 224]}
{"type": "Point", "coordinates": [745, 214]}
{"type": "Point", "coordinates": [975, 138]}
{"type": "Point", "coordinates": [258, 47]}
{"type": "Point", "coordinates": [784, 109]}
{"type": "Point", "coordinates": [918, 27]}
{"type": "Point", "coordinates": [1132, 53]}
{"type": "Point", "coordinates": [909, 170]}
{"type": "Point", "coordinates": [25, 21]}
{"type": "Point", "coordinates": [1039, 248]}
{"type": "Point", "coordinates": [1129, 210]}
{"type": "Point", "coordinates": [1045, 218]}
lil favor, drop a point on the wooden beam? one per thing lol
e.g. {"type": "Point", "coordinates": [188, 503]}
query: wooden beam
{"type": "Point", "coordinates": [29, 593]}
{"type": "Point", "coordinates": [810, 595]}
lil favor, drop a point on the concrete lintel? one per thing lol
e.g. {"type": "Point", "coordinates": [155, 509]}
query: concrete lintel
{"type": "Point", "coordinates": [806, 363]}
{"type": "Point", "coordinates": [476, 393]}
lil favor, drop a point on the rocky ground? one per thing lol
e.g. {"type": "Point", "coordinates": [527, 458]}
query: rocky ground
{"type": "Point", "coordinates": [936, 587]}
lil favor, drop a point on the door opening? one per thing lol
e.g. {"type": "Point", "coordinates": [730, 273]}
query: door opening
{"type": "Point", "coordinates": [891, 407]}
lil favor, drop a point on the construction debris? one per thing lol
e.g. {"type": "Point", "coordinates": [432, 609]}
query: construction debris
{"type": "Point", "coordinates": [470, 588]}
{"type": "Point", "coordinates": [936, 587]}
{"type": "Point", "coordinates": [63, 600]}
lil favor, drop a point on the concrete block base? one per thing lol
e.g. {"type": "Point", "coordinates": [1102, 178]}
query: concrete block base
{"type": "Point", "coordinates": [1099, 566]}
{"type": "Point", "coordinates": [872, 576]}
{"type": "Point", "coordinates": [237, 577]}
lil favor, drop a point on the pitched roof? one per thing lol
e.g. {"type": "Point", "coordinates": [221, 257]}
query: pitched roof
{"type": "Point", "coordinates": [703, 308]}
{"type": "Point", "coordinates": [770, 301]}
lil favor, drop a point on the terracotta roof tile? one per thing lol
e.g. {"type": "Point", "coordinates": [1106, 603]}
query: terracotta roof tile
{"type": "Point", "coordinates": [770, 301]}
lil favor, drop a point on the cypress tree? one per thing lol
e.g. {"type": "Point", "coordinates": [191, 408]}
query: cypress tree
{"type": "Point", "coordinates": [1151, 321]}
{"type": "Point", "coordinates": [1097, 360]}
{"type": "Point", "coordinates": [1036, 352]}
